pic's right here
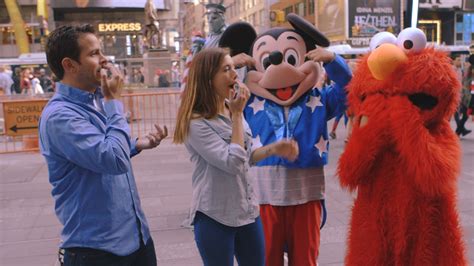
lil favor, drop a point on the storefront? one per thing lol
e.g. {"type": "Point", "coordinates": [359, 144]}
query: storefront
{"type": "Point", "coordinates": [438, 18]}
{"type": "Point", "coordinates": [119, 24]}
{"type": "Point", "coordinates": [121, 39]}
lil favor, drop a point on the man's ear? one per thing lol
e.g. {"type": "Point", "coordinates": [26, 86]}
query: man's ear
{"type": "Point", "coordinates": [69, 65]}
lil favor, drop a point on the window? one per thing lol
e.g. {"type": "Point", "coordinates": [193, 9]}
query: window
{"type": "Point", "coordinates": [300, 9]}
{"type": "Point", "coordinates": [310, 7]}
{"type": "Point", "coordinates": [288, 10]}
{"type": "Point", "coordinates": [257, 19]}
{"type": "Point", "coordinates": [252, 18]}
{"type": "Point", "coordinates": [464, 28]}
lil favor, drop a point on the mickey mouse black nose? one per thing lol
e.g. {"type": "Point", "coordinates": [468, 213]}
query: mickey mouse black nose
{"type": "Point", "coordinates": [276, 57]}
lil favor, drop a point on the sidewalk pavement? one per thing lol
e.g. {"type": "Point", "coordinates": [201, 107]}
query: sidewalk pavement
{"type": "Point", "coordinates": [29, 229]}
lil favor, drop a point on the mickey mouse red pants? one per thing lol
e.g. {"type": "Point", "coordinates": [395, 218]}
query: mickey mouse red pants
{"type": "Point", "coordinates": [296, 226]}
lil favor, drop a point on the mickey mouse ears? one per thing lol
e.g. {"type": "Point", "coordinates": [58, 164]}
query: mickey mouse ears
{"type": "Point", "coordinates": [239, 37]}
{"type": "Point", "coordinates": [307, 30]}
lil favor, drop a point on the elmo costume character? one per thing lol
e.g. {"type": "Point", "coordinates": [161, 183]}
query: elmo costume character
{"type": "Point", "coordinates": [402, 157]}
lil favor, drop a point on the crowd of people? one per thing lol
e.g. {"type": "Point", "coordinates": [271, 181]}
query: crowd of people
{"type": "Point", "coordinates": [28, 81]}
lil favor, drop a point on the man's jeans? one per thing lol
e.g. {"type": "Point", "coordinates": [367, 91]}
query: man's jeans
{"type": "Point", "coordinates": [144, 256]}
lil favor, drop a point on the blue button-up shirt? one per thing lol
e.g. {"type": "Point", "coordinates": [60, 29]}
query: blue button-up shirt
{"type": "Point", "coordinates": [88, 152]}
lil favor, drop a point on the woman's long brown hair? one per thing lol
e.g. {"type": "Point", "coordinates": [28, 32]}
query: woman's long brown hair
{"type": "Point", "coordinates": [199, 98]}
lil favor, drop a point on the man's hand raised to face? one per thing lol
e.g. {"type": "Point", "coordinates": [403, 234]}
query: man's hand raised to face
{"type": "Point", "coordinates": [111, 86]}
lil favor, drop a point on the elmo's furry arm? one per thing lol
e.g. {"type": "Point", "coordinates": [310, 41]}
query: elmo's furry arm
{"type": "Point", "coordinates": [431, 156]}
{"type": "Point", "coordinates": [366, 143]}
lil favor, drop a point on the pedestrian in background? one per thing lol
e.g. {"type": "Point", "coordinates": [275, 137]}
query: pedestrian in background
{"type": "Point", "coordinates": [45, 81]}
{"type": "Point", "coordinates": [210, 123]}
{"type": "Point", "coordinates": [460, 116]}
{"type": "Point", "coordinates": [16, 87]}
{"type": "Point", "coordinates": [25, 82]}
{"type": "Point", "coordinates": [86, 142]}
{"type": "Point", "coordinates": [163, 81]}
{"type": "Point", "coordinates": [36, 84]}
{"type": "Point", "coordinates": [6, 81]}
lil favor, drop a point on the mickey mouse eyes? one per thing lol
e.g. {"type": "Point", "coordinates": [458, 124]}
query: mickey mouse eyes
{"type": "Point", "coordinates": [291, 57]}
{"type": "Point", "coordinates": [265, 61]}
{"type": "Point", "coordinates": [411, 40]}
{"type": "Point", "coordinates": [381, 38]}
{"type": "Point", "coordinates": [276, 57]}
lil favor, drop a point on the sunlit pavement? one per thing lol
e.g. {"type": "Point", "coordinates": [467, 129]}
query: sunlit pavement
{"type": "Point", "coordinates": [29, 230]}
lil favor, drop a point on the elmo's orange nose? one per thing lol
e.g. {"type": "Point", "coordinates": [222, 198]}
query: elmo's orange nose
{"type": "Point", "coordinates": [385, 59]}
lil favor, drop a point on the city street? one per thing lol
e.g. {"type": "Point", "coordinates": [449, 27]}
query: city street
{"type": "Point", "coordinates": [29, 229]}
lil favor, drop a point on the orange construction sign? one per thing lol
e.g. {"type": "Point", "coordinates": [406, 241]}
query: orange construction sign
{"type": "Point", "coordinates": [22, 117]}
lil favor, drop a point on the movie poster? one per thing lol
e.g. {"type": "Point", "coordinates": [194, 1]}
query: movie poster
{"type": "Point", "coordinates": [368, 17]}
{"type": "Point", "coordinates": [331, 19]}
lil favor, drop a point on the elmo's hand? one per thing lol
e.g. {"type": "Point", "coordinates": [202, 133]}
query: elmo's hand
{"type": "Point", "coordinates": [369, 138]}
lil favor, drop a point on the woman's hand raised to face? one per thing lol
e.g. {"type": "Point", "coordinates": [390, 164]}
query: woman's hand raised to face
{"type": "Point", "coordinates": [237, 100]}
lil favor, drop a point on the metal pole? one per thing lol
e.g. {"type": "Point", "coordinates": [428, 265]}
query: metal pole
{"type": "Point", "coordinates": [181, 14]}
{"type": "Point", "coordinates": [414, 14]}
{"type": "Point", "coordinates": [18, 26]}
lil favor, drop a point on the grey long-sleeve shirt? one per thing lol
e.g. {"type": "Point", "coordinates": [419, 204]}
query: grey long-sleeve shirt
{"type": "Point", "coordinates": [222, 188]}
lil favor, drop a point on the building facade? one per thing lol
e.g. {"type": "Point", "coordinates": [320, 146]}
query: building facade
{"type": "Point", "coordinates": [34, 27]}
{"type": "Point", "coordinates": [448, 22]}
{"type": "Point", "coordinates": [119, 24]}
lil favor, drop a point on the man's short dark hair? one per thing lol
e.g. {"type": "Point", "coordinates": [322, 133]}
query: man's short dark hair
{"type": "Point", "coordinates": [62, 43]}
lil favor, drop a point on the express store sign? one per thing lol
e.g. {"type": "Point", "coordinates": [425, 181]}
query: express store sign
{"type": "Point", "coordinates": [108, 27]}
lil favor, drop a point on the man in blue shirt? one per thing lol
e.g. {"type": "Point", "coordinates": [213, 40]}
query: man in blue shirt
{"type": "Point", "coordinates": [86, 142]}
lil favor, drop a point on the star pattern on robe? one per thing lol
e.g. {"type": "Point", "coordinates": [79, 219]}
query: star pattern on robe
{"type": "Point", "coordinates": [257, 105]}
{"type": "Point", "coordinates": [322, 146]}
{"type": "Point", "coordinates": [256, 143]}
{"type": "Point", "coordinates": [314, 102]}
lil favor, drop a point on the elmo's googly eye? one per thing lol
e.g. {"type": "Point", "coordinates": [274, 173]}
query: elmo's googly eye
{"type": "Point", "coordinates": [381, 38]}
{"type": "Point", "coordinates": [411, 40]}
{"type": "Point", "coordinates": [291, 57]}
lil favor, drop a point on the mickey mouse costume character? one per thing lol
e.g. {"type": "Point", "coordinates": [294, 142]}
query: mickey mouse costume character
{"type": "Point", "coordinates": [403, 158]}
{"type": "Point", "coordinates": [285, 104]}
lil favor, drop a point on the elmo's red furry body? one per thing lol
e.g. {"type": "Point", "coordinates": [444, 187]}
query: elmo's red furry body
{"type": "Point", "coordinates": [404, 163]}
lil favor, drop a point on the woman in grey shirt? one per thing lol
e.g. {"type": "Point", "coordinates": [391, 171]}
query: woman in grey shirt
{"type": "Point", "coordinates": [210, 123]}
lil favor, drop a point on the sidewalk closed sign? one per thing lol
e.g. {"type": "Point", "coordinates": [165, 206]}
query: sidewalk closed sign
{"type": "Point", "coordinates": [22, 117]}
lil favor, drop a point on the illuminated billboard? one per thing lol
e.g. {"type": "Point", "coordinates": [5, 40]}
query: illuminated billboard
{"type": "Point", "coordinates": [367, 18]}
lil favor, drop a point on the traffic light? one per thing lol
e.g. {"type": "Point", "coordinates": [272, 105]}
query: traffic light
{"type": "Point", "coordinates": [277, 16]}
